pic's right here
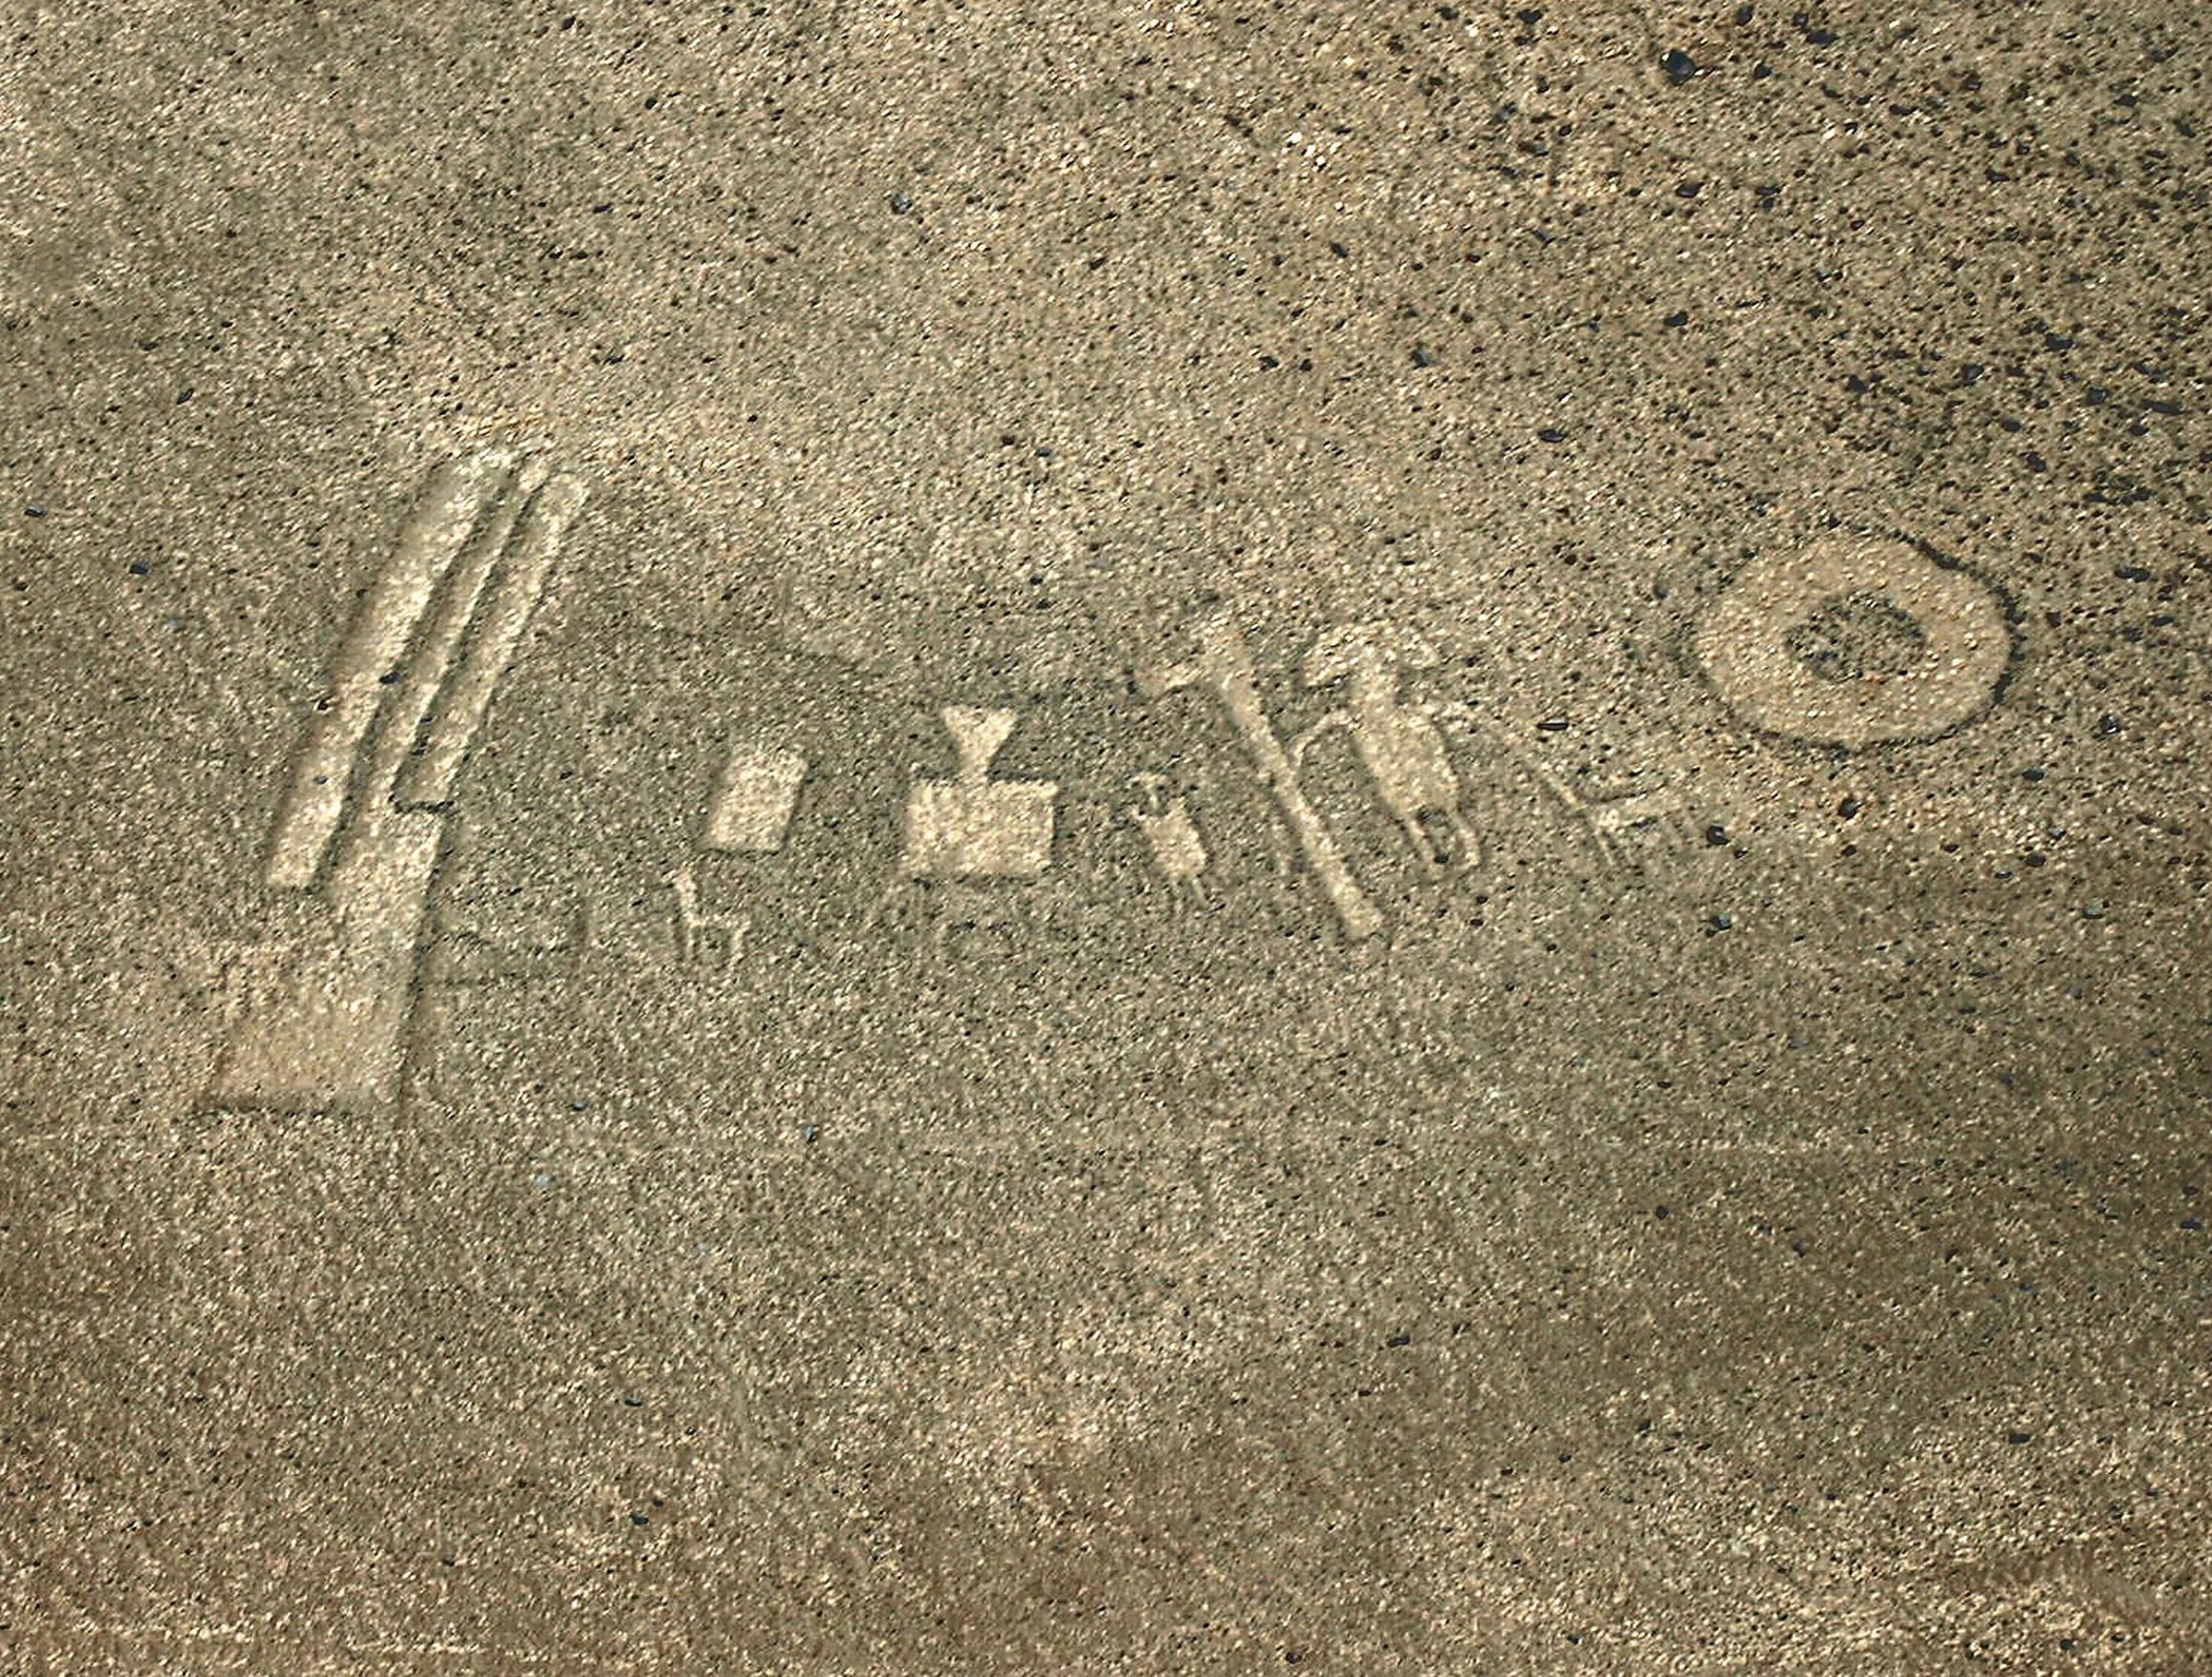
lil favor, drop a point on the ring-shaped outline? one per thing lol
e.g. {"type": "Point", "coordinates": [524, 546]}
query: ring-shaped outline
{"type": "Point", "coordinates": [1742, 642]}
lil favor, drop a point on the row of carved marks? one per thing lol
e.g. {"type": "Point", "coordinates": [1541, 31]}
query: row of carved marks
{"type": "Point", "coordinates": [1762, 646]}
{"type": "Point", "coordinates": [1401, 745]}
{"type": "Point", "coordinates": [361, 829]}
{"type": "Point", "coordinates": [976, 828]}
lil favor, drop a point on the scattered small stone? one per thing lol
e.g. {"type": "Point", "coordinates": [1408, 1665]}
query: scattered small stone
{"type": "Point", "coordinates": [1717, 834]}
{"type": "Point", "coordinates": [1678, 65]}
{"type": "Point", "coordinates": [1554, 724]}
{"type": "Point", "coordinates": [1551, 433]}
{"type": "Point", "coordinates": [900, 203]}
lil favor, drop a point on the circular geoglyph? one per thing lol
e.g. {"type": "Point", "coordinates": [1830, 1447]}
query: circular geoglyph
{"type": "Point", "coordinates": [1759, 644]}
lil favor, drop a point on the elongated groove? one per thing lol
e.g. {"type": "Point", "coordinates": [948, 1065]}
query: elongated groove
{"type": "Point", "coordinates": [434, 531]}
{"type": "Point", "coordinates": [428, 781]}
{"type": "Point", "coordinates": [457, 604]}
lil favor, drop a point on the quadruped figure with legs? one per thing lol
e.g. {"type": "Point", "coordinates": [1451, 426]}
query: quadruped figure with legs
{"type": "Point", "coordinates": [1398, 743]}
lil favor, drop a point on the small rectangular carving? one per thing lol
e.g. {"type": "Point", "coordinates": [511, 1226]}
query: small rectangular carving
{"type": "Point", "coordinates": [752, 805]}
{"type": "Point", "coordinates": [999, 831]}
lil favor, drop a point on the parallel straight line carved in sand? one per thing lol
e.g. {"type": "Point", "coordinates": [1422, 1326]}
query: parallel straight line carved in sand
{"type": "Point", "coordinates": [381, 758]}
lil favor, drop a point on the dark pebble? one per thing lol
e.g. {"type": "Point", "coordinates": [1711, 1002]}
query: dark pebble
{"type": "Point", "coordinates": [900, 203]}
{"type": "Point", "coordinates": [1678, 65]}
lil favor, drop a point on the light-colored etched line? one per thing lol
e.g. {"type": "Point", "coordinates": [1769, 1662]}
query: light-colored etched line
{"type": "Point", "coordinates": [434, 531]}
{"type": "Point", "coordinates": [432, 660]}
{"type": "Point", "coordinates": [428, 780]}
{"type": "Point", "coordinates": [1223, 666]}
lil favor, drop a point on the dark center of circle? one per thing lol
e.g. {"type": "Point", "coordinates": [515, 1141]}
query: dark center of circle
{"type": "Point", "coordinates": [1859, 635]}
